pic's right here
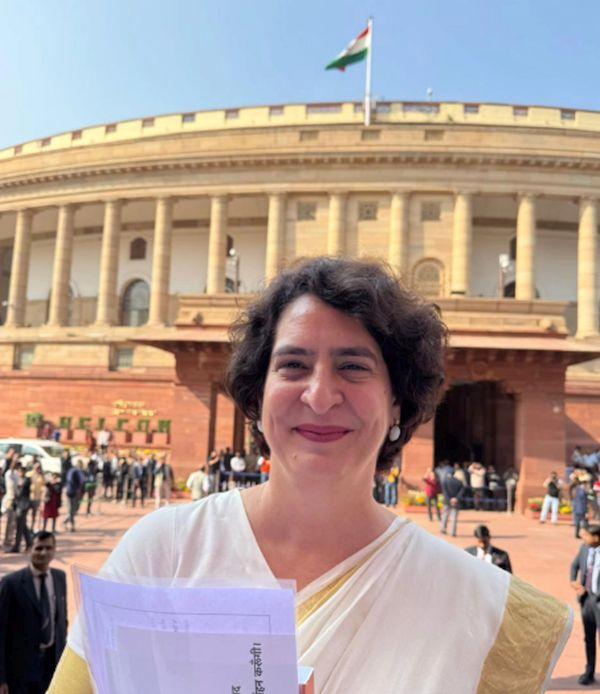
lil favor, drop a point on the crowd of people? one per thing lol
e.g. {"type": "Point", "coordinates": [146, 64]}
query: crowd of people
{"type": "Point", "coordinates": [579, 487]}
{"type": "Point", "coordinates": [31, 500]}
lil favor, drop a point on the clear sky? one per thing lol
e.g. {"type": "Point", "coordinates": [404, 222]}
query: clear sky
{"type": "Point", "coordinates": [66, 64]}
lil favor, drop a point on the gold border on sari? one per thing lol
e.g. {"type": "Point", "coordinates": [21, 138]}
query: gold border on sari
{"type": "Point", "coordinates": [72, 675]}
{"type": "Point", "coordinates": [310, 606]}
{"type": "Point", "coordinates": [533, 626]}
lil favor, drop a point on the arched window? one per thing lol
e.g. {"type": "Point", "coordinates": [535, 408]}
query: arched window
{"type": "Point", "coordinates": [428, 278]}
{"type": "Point", "coordinates": [135, 303]}
{"type": "Point", "coordinates": [137, 249]}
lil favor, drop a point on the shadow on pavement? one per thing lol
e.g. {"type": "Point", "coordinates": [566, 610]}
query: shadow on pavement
{"type": "Point", "coordinates": [569, 684]}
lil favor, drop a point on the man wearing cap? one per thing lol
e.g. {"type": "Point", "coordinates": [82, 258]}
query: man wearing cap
{"type": "Point", "coordinates": [33, 621]}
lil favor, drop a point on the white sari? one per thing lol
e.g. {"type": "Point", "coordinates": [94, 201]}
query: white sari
{"type": "Point", "coordinates": [408, 613]}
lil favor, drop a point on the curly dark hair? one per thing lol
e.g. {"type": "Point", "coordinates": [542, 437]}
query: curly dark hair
{"type": "Point", "coordinates": [410, 334]}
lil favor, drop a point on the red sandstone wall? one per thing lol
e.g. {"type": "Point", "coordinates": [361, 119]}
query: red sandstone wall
{"type": "Point", "coordinates": [583, 421]}
{"type": "Point", "coordinates": [81, 397]}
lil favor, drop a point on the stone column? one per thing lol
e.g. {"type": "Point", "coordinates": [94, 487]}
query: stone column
{"type": "Point", "coordinates": [19, 271]}
{"type": "Point", "coordinates": [275, 235]}
{"type": "Point", "coordinates": [217, 245]}
{"type": "Point", "coordinates": [61, 276]}
{"type": "Point", "coordinates": [526, 233]}
{"type": "Point", "coordinates": [161, 262]}
{"type": "Point", "coordinates": [587, 268]}
{"type": "Point", "coordinates": [462, 244]}
{"type": "Point", "coordinates": [107, 309]}
{"type": "Point", "coordinates": [399, 233]}
{"type": "Point", "coordinates": [336, 233]}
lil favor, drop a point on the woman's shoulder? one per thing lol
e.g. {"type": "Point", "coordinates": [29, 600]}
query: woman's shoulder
{"type": "Point", "coordinates": [153, 545]}
{"type": "Point", "coordinates": [534, 630]}
{"type": "Point", "coordinates": [527, 628]}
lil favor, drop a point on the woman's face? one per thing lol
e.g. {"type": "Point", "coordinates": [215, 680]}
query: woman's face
{"type": "Point", "coordinates": [328, 402]}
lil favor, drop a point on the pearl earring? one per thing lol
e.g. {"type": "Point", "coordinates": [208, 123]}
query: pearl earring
{"type": "Point", "coordinates": [259, 426]}
{"type": "Point", "coordinates": [394, 433]}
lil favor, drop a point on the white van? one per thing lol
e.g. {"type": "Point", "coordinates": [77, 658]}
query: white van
{"type": "Point", "coordinates": [49, 452]}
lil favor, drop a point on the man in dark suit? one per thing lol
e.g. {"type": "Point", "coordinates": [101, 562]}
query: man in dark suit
{"type": "Point", "coordinates": [33, 621]}
{"type": "Point", "coordinates": [585, 571]}
{"type": "Point", "coordinates": [486, 551]}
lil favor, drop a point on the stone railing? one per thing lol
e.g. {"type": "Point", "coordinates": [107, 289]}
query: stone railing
{"type": "Point", "coordinates": [438, 113]}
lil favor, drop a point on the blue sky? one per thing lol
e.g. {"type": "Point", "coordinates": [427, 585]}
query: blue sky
{"type": "Point", "coordinates": [66, 64]}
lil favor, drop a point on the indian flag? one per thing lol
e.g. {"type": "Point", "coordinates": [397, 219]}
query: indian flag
{"type": "Point", "coordinates": [356, 51]}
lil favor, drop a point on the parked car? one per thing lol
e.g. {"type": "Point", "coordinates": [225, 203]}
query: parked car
{"type": "Point", "coordinates": [49, 452]}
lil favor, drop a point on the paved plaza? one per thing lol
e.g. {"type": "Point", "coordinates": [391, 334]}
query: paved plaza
{"type": "Point", "coordinates": [540, 554]}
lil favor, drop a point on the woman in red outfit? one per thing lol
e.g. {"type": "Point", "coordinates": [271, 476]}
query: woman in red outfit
{"type": "Point", "coordinates": [432, 489]}
{"type": "Point", "coordinates": [52, 501]}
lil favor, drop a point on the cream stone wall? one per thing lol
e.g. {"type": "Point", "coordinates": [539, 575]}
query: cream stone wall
{"type": "Point", "coordinates": [488, 157]}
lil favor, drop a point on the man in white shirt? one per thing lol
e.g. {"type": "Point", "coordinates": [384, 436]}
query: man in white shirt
{"type": "Point", "coordinates": [477, 478]}
{"type": "Point", "coordinates": [198, 483]}
{"type": "Point", "coordinates": [238, 464]}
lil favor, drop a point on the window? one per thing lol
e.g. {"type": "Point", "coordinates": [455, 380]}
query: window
{"type": "Point", "coordinates": [275, 110]}
{"type": "Point", "coordinates": [567, 114]}
{"type": "Point", "coordinates": [76, 135]}
{"type": "Point", "coordinates": [431, 211]}
{"type": "Point", "coordinates": [420, 107]}
{"type": "Point", "coordinates": [232, 113]}
{"type": "Point", "coordinates": [46, 142]}
{"type": "Point", "coordinates": [122, 358]}
{"type": "Point", "coordinates": [427, 278]}
{"type": "Point", "coordinates": [137, 249]}
{"type": "Point", "coordinates": [471, 109]}
{"type": "Point", "coordinates": [370, 134]}
{"type": "Point", "coordinates": [188, 118]}
{"type": "Point", "coordinates": [323, 108]}
{"type": "Point", "coordinates": [434, 134]}
{"type": "Point", "coordinates": [520, 111]}
{"type": "Point", "coordinates": [147, 122]}
{"type": "Point", "coordinates": [307, 211]}
{"type": "Point", "coordinates": [111, 128]}
{"type": "Point", "coordinates": [24, 355]}
{"type": "Point", "coordinates": [367, 211]}
{"type": "Point", "coordinates": [306, 135]}
{"type": "Point", "coordinates": [18, 149]}
{"type": "Point", "coordinates": [383, 107]}
{"type": "Point", "coordinates": [135, 304]}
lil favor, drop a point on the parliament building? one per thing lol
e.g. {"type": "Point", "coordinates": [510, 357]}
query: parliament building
{"type": "Point", "coordinates": [127, 249]}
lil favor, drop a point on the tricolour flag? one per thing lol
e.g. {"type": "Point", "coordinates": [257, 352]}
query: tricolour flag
{"type": "Point", "coordinates": [356, 51]}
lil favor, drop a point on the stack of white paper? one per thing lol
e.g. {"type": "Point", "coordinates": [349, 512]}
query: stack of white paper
{"type": "Point", "coordinates": [155, 639]}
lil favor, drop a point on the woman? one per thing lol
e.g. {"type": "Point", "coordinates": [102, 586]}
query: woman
{"type": "Point", "coordinates": [336, 366]}
{"type": "Point", "coordinates": [52, 501]}
{"type": "Point", "coordinates": [432, 489]}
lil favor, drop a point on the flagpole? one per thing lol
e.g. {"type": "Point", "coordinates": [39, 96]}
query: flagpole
{"type": "Point", "coordinates": [367, 107]}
